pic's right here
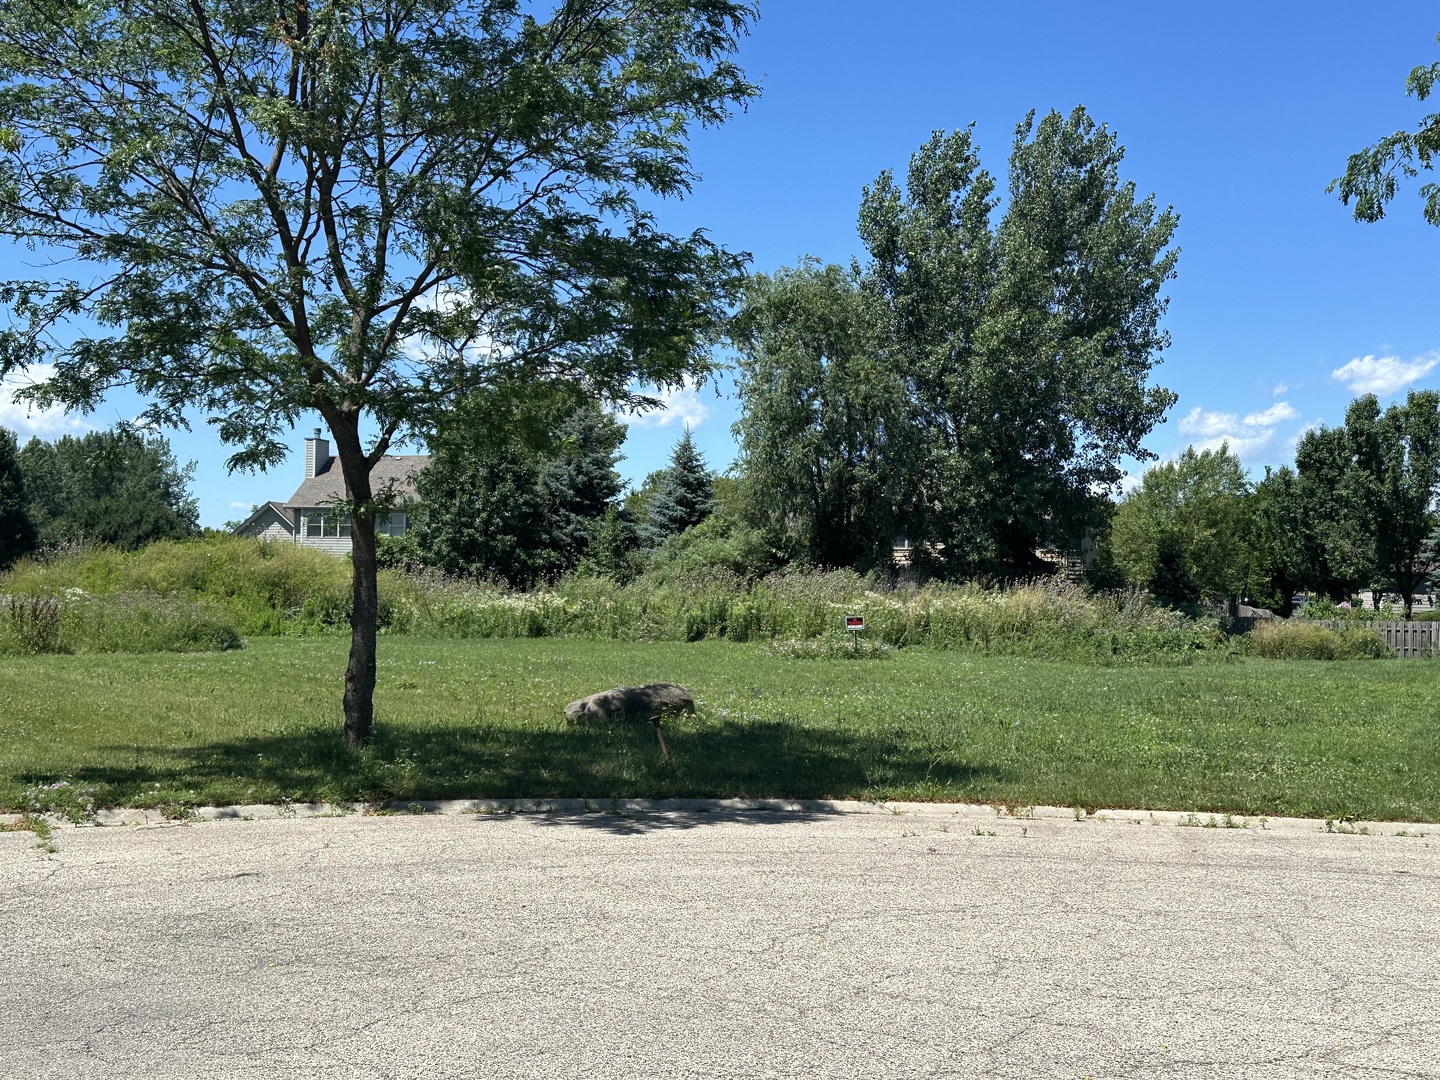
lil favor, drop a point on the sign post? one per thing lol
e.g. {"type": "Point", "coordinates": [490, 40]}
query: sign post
{"type": "Point", "coordinates": [855, 624]}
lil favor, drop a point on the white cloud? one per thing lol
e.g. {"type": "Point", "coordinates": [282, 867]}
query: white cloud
{"type": "Point", "coordinates": [1280, 388]}
{"type": "Point", "coordinates": [24, 418]}
{"type": "Point", "coordinates": [683, 404]}
{"type": "Point", "coordinates": [1245, 436]}
{"type": "Point", "coordinates": [1199, 422]}
{"type": "Point", "coordinates": [1276, 414]}
{"type": "Point", "coordinates": [1383, 374]}
{"type": "Point", "coordinates": [240, 506]}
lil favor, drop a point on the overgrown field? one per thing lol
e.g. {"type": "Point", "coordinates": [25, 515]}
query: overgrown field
{"type": "Point", "coordinates": [282, 590]}
{"type": "Point", "coordinates": [482, 718]}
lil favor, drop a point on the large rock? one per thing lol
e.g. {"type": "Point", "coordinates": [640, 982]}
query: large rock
{"type": "Point", "coordinates": [630, 703]}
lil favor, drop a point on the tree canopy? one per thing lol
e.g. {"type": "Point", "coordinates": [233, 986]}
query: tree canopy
{"type": "Point", "coordinates": [827, 449]}
{"type": "Point", "coordinates": [117, 488]}
{"type": "Point", "coordinates": [1184, 532]}
{"type": "Point", "coordinates": [367, 210]}
{"type": "Point", "coordinates": [1371, 177]}
{"type": "Point", "coordinates": [976, 382]}
{"type": "Point", "coordinates": [517, 496]}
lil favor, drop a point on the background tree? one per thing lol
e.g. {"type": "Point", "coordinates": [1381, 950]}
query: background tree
{"type": "Point", "coordinates": [1337, 545]}
{"type": "Point", "coordinates": [1184, 532]}
{"type": "Point", "coordinates": [1397, 453]}
{"type": "Point", "coordinates": [367, 210]}
{"type": "Point", "coordinates": [1371, 175]}
{"type": "Point", "coordinates": [827, 446]}
{"type": "Point", "coordinates": [17, 531]}
{"type": "Point", "coordinates": [1028, 345]}
{"type": "Point", "coordinates": [117, 488]}
{"type": "Point", "coordinates": [1279, 541]}
{"type": "Point", "coordinates": [684, 494]}
{"type": "Point", "coordinates": [517, 486]}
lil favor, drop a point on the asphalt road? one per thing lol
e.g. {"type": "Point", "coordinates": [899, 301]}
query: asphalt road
{"type": "Point", "coordinates": [940, 942]}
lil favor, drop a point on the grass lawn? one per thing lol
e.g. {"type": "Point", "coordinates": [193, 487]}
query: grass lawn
{"type": "Point", "coordinates": [482, 719]}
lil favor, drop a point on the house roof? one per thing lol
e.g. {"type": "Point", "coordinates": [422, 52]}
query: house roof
{"type": "Point", "coordinates": [327, 485]}
{"type": "Point", "coordinates": [260, 512]}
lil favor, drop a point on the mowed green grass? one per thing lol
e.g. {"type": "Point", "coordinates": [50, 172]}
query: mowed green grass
{"type": "Point", "coordinates": [469, 719]}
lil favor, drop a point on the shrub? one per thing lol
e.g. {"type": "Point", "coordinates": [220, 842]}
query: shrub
{"type": "Point", "coordinates": [1298, 640]}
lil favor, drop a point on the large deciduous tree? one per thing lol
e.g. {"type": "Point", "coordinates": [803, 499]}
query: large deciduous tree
{"type": "Point", "coordinates": [829, 453]}
{"type": "Point", "coordinates": [976, 383]}
{"type": "Point", "coordinates": [1029, 344]}
{"type": "Point", "coordinates": [1184, 532]}
{"type": "Point", "coordinates": [365, 209]}
{"type": "Point", "coordinates": [1397, 455]}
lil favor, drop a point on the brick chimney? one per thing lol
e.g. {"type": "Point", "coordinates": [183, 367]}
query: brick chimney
{"type": "Point", "coordinates": [317, 454]}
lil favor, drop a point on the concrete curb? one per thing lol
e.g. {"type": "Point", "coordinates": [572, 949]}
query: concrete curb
{"type": "Point", "coordinates": [804, 808]}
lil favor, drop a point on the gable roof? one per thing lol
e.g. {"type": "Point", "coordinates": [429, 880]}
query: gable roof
{"type": "Point", "coordinates": [260, 511]}
{"type": "Point", "coordinates": [327, 484]}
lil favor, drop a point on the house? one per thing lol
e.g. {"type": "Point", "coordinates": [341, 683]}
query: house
{"type": "Point", "coordinates": [306, 518]}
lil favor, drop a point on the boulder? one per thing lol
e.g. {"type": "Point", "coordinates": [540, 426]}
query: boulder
{"type": "Point", "coordinates": [630, 703]}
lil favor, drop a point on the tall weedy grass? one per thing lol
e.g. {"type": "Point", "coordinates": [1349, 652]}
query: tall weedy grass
{"type": "Point", "coordinates": [129, 622]}
{"type": "Point", "coordinates": [1310, 641]}
{"type": "Point", "coordinates": [273, 588]}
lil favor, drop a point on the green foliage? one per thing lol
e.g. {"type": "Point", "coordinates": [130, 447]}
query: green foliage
{"type": "Point", "coordinates": [614, 550]}
{"type": "Point", "coordinates": [114, 488]}
{"type": "Point", "coordinates": [684, 493]}
{"type": "Point", "coordinates": [263, 588]}
{"type": "Point", "coordinates": [827, 449]}
{"type": "Point", "coordinates": [1397, 460]}
{"type": "Point", "coordinates": [516, 486]}
{"type": "Point", "coordinates": [1305, 640]}
{"type": "Point", "coordinates": [1028, 345]}
{"type": "Point", "coordinates": [718, 545]}
{"type": "Point", "coordinates": [17, 531]}
{"type": "Point", "coordinates": [1370, 176]}
{"type": "Point", "coordinates": [1183, 533]}
{"type": "Point", "coordinates": [1280, 530]}
{"type": "Point", "coordinates": [281, 589]}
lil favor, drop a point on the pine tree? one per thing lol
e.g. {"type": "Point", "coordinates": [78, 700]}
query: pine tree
{"type": "Point", "coordinates": [686, 494]}
{"type": "Point", "coordinates": [17, 532]}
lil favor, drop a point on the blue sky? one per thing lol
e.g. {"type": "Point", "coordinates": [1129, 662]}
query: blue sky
{"type": "Point", "coordinates": [1238, 115]}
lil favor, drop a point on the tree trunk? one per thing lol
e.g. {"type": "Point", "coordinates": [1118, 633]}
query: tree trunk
{"type": "Point", "coordinates": [359, 699]}
{"type": "Point", "coordinates": [364, 618]}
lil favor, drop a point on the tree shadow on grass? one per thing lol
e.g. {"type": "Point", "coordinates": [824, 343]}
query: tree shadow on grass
{"type": "Point", "coordinates": [709, 759]}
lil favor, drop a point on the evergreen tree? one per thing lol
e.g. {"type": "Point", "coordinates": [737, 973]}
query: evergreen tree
{"type": "Point", "coordinates": [17, 531]}
{"type": "Point", "coordinates": [614, 546]}
{"type": "Point", "coordinates": [685, 495]}
{"type": "Point", "coordinates": [516, 486]}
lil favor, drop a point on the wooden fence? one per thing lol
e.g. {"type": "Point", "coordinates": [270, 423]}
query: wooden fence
{"type": "Point", "coordinates": [1408, 639]}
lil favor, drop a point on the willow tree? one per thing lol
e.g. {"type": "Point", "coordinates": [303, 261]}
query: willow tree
{"type": "Point", "coordinates": [253, 209]}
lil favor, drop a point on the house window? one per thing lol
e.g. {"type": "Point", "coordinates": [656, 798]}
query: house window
{"type": "Point", "coordinates": [327, 525]}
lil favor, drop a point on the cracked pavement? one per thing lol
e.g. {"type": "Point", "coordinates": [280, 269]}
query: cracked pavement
{"type": "Point", "coordinates": [836, 942]}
